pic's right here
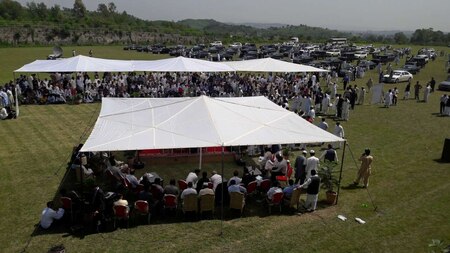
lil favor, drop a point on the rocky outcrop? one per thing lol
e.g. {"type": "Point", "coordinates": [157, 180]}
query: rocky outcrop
{"type": "Point", "coordinates": [90, 36]}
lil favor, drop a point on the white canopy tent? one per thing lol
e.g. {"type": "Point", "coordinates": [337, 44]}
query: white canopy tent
{"type": "Point", "coordinates": [166, 123]}
{"type": "Point", "coordinates": [78, 63]}
{"type": "Point", "coordinates": [271, 65]}
{"type": "Point", "coordinates": [181, 64]}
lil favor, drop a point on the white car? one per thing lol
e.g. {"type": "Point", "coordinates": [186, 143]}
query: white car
{"type": "Point", "coordinates": [333, 52]}
{"type": "Point", "coordinates": [236, 45]}
{"type": "Point", "coordinates": [216, 43]}
{"type": "Point", "coordinates": [360, 55]}
{"type": "Point", "coordinates": [398, 76]}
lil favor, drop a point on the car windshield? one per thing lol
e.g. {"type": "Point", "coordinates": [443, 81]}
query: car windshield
{"type": "Point", "coordinates": [397, 73]}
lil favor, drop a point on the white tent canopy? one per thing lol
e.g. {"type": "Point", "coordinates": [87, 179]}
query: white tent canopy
{"type": "Point", "coordinates": [82, 63]}
{"type": "Point", "coordinates": [270, 65]}
{"type": "Point", "coordinates": [166, 123]}
{"type": "Point", "coordinates": [181, 64]}
{"type": "Point", "coordinates": [78, 63]}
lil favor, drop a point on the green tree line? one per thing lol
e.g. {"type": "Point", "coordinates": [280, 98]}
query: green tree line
{"type": "Point", "coordinates": [106, 17]}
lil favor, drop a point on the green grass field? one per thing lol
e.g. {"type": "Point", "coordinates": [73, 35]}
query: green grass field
{"type": "Point", "coordinates": [409, 187]}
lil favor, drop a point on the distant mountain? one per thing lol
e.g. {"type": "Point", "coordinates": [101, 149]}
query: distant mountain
{"type": "Point", "coordinates": [269, 33]}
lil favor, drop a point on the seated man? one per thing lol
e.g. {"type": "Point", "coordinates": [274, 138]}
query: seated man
{"type": "Point", "coordinates": [247, 177]}
{"type": "Point", "coordinates": [274, 189]}
{"type": "Point", "coordinates": [188, 190]}
{"type": "Point", "coordinates": [132, 178]}
{"type": "Point", "coordinates": [193, 177]}
{"type": "Point", "coordinates": [122, 202]}
{"type": "Point", "coordinates": [146, 195]}
{"type": "Point", "coordinates": [234, 187]}
{"type": "Point", "coordinates": [49, 214]}
{"type": "Point", "coordinates": [280, 167]}
{"type": "Point", "coordinates": [288, 190]}
{"type": "Point", "coordinates": [202, 180]}
{"type": "Point", "coordinates": [171, 188]}
{"type": "Point", "coordinates": [235, 177]}
{"type": "Point", "coordinates": [3, 113]}
{"type": "Point", "coordinates": [205, 190]}
{"type": "Point", "coordinates": [311, 185]}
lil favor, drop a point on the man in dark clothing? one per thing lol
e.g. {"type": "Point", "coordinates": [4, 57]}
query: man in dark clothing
{"type": "Point", "coordinates": [300, 166]}
{"type": "Point", "coordinates": [202, 180]}
{"type": "Point", "coordinates": [312, 191]}
{"type": "Point", "coordinates": [329, 154]}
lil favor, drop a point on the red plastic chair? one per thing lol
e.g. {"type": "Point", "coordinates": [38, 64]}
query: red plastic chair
{"type": "Point", "coordinates": [277, 200]}
{"type": "Point", "coordinates": [182, 185]}
{"type": "Point", "coordinates": [170, 201]}
{"type": "Point", "coordinates": [251, 187]}
{"type": "Point", "coordinates": [141, 207]}
{"type": "Point", "coordinates": [67, 205]}
{"type": "Point", "coordinates": [286, 178]}
{"type": "Point", "coordinates": [264, 186]}
{"type": "Point", "coordinates": [121, 213]}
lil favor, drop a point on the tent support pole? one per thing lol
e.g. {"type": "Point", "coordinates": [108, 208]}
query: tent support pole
{"type": "Point", "coordinates": [200, 162]}
{"type": "Point", "coordinates": [221, 213]}
{"type": "Point", "coordinates": [340, 173]}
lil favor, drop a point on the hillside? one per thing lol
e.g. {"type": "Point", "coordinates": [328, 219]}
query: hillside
{"type": "Point", "coordinates": [38, 24]}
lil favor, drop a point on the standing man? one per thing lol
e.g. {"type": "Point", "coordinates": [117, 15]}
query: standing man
{"type": "Point", "coordinates": [339, 132]}
{"type": "Point", "coordinates": [432, 84]}
{"type": "Point", "coordinates": [312, 163]}
{"type": "Point", "coordinates": [407, 91]}
{"type": "Point", "coordinates": [193, 177]}
{"type": "Point", "coordinates": [365, 169]}
{"type": "Point", "coordinates": [312, 185]}
{"type": "Point", "coordinates": [329, 154]}
{"type": "Point", "coordinates": [300, 168]}
{"type": "Point", "coordinates": [323, 125]}
{"type": "Point", "coordinates": [417, 88]}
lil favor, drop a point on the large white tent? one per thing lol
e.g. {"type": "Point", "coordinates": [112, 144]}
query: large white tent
{"type": "Point", "coordinates": [166, 123]}
{"type": "Point", "coordinates": [83, 63]}
{"type": "Point", "coordinates": [181, 64]}
{"type": "Point", "coordinates": [271, 65]}
{"type": "Point", "coordinates": [78, 63]}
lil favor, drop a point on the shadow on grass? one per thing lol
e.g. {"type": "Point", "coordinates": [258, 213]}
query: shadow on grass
{"type": "Point", "coordinates": [352, 187]}
{"type": "Point", "coordinates": [439, 160]}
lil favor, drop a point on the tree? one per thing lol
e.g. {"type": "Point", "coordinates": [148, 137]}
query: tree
{"type": "Point", "coordinates": [400, 38]}
{"type": "Point", "coordinates": [103, 9]}
{"type": "Point", "coordinates": [112, 7]}
{"type": "Point", "coordinates": [55, 13]}
{"type": "Point", "coordinates": [10, 10]}
{"type": "Point", "coordinates": [79, 9]}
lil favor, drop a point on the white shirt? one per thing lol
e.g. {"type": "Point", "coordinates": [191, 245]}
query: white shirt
{"type": "Point", "coordinates": [48, 215]}
{"type": "Point", "coordinates": [339, 131]}
{"type": "Point", "coordinates": [192, 177]}
{"type": "Point", "coordinates": [312, 163]}
{"type": "Point", "coordinates": [238, 180]}
{"type": "Point", "coordinates": [216, 179]}
{"type": "Point", "coordinates": [272, 191]}
{"type": "Point", "coordinates": [188, 191]}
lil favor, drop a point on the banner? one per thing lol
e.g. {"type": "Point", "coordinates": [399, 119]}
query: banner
{"type": "Point", "coordinates": [377, 94]}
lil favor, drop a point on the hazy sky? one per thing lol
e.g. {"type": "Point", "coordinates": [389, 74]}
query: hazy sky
{"type": "Point", "coordinates": [343, 14]}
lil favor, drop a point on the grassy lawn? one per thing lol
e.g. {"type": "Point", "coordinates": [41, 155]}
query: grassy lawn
{"type": "Point", "coordinates": [410, 189]}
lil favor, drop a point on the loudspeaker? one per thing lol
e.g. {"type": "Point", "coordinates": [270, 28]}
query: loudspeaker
{"type": "Point", "coordinates": [446, 151]}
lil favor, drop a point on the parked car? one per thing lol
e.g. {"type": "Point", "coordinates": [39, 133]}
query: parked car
{"type": "Point", "coordinates": [367, 64]}
{"type": "Point", "coordinates": [216, 43]}
{"type": "Point", "coordinates": [360, 55]}
{"type": "Point", "coordinates": [445, 85]}
{"type": "Point", "coordinates": [333, 52]}
{"type": "Point", "coordinates": [398, 76]}
{"type": "Point", "coordinates": [411, 67]}
{"type": "Point", "coordinates": [236, 45]}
